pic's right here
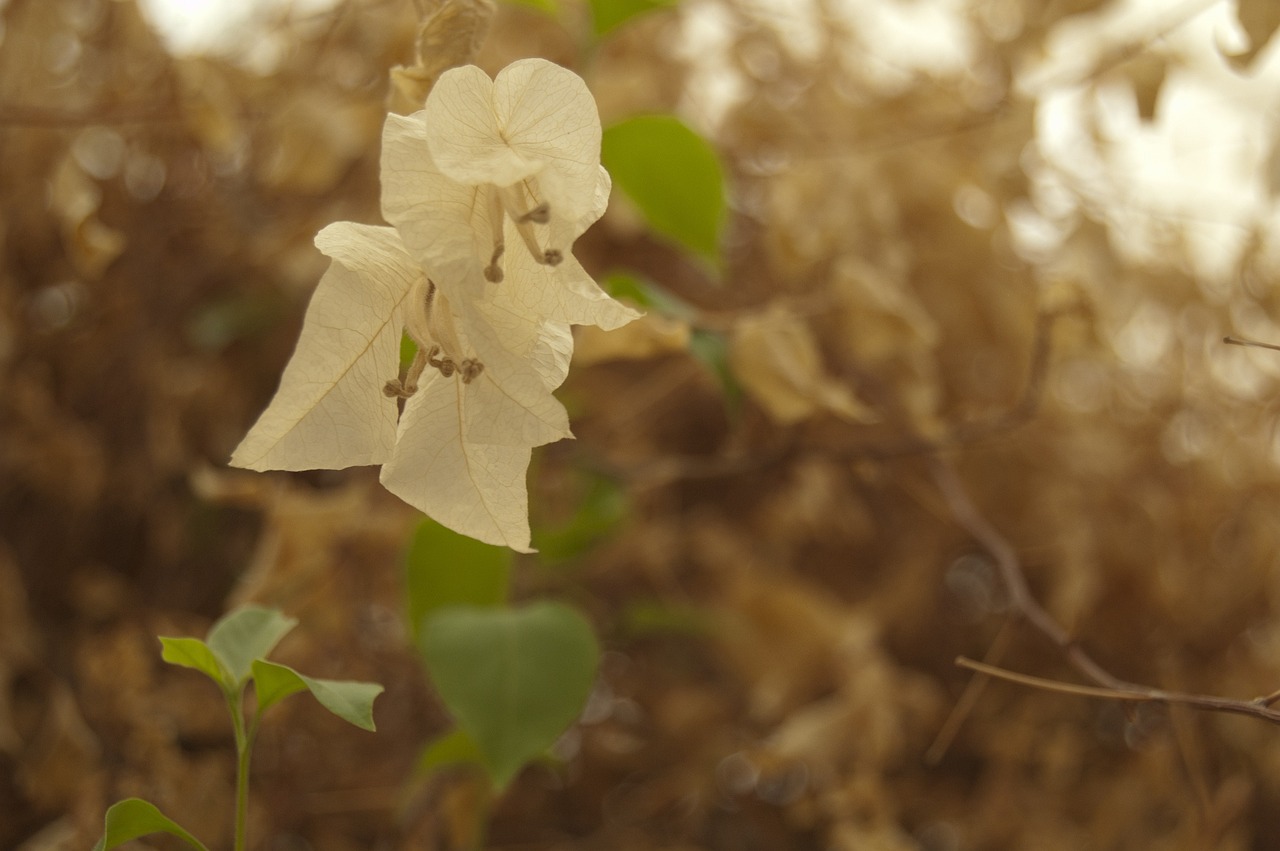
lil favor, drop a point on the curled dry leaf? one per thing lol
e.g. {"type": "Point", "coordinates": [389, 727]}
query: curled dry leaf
{"type": "Point", "coordinates": [449, 36]}
{"type": "Point", "coordinates": [74, 197]}
{"type": "Point", "coordinates": [649, 336]}
{"type": "Point", "coordinates": [774, 355]}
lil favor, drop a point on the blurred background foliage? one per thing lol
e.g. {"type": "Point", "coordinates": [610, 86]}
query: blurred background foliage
{"type": "Point", "coordinates": [1007, 233]}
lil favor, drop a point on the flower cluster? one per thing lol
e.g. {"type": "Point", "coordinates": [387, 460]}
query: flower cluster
{"type": "Point", "coordinates": [485, 190]}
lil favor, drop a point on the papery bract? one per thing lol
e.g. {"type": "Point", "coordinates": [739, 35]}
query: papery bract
{"type": "Point", "coordinates": [462, 178]}
{"type": "Point", "coordinates": [535, 119]}
{"type": "Point", "coordinates": [460, 450]}
{"type": "Point", "coordinates": [330, 412]}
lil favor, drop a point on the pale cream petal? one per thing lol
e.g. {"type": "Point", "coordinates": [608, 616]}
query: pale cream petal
{"type": "Point", "coordinates": [465, 134]}
{"type": "Point", "coordinates": [563, 293]}
{"type": "Point", "coordinates": [510, 402]}
{"type": "Point", "coordinates": [476, 490]}
{"type": "Point", "coordinates": [514, 413]}
{"type": "Point", "coordinates": [552, 354]}
{"type": "Point", "coordinates": [548, 116]}
{"type": "Point", "coordinates": [444, 224]}
{"type": "Point", "coordinates": [329, 412]}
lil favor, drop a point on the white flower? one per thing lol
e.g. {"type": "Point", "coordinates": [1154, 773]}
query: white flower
{"type": "Point", "coordinates": [489, 186]}
{"type": "Point", "coordinates": [460, 450]}
{"type": "Point", "coordinates": [487, 165]}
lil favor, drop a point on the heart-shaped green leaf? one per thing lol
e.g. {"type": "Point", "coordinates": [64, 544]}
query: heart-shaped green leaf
{"type": "Point", "coordinates": [245, 634]}
{"type": "Point", "coordinates": [350, 700]}
{"type": "Point", "coordinates": [672, 175]}
{"type": "Point", "coordinates": [134, 817]}
{"type": "Point", "coordinates": [513, 678]}
{"type": "Point", "coordinates": [443, 568]}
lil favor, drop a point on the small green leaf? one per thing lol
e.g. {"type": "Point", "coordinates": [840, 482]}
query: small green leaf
{"type": "Point", "coordinates": [443, 568]}
{"type": "Point", "coordinates": [272, 683]}
{"type": "Point", "coordinates": [672, 174]}
{"type": "Point", "coordinates": [134, 817]}
{"type": "Point", "coordinates": [245, 634]}
{"type": "Point", "coordinates": [194, 653]}
{"type": "Point", "coordinates": [350, 700]}
{"type": "Point", "coordinates": [607, 15]}
{"type": "Point", "coordinates": [513, 678]}
{"type": "Point", "coordinates": [453, 748]}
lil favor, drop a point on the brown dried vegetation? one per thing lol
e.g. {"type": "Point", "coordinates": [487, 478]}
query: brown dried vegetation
{"type": "Point", "coordinates": [784, 602]}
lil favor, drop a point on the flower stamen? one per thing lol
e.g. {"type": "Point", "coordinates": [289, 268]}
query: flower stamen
{"type": "Point", "coordinates": [406, 384]}
{"type": "Point", "coordinates": [467, 370]}
{"type": "Point", "coordinates": [513, 201]}
{"type": "Point", "coordinates": [445, 364]}
{"type": "Point", "coordinates": [493, 272]}
{"type": "Point", "coordinates": [539, 215]}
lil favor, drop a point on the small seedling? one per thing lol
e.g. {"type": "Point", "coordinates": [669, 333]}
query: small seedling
{"type": "Point", "coordinates": [233, 656]}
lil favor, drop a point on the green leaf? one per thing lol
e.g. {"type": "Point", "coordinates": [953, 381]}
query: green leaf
{"type": "Point", "coordinates": [549, 7]}
{"type": "Point", "coordinates": [513, 678]}
{"type": "Point", "coordinates": [350, 700]}
{"type": "Point", "coordinates": [443, 568]}
{"type": "Point", "coordinates": [194, 653]}
{"type": "Point", "coordinates": [134, 817]}
{"type": "Point", "coordinates": [453, 748]}
{"type": "Point", "coordinates": [272, 683]}
{"type": "Point", "coordinates": [672, 174]}
{"type": "Point", "coordinates": [607, 15]}
{"type": "Point", "coordinates": [248, 633]}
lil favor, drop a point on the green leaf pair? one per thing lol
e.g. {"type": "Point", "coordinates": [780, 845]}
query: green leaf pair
{"type": "Point", "coordinates": [514, 678]}
{"type": "Point", "coordinates": [232, 656]}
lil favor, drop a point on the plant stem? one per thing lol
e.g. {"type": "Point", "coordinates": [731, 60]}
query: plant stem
{"type": "Point", "coordinates": [244, 746]}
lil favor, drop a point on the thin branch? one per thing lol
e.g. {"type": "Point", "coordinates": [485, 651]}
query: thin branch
{"type": "Point", "coordinates": [1022, 602]}
{"type": "Point", "coordinates": [968, 698]}
{"type": "Point", "coordinates": [1045, 684]}
{"type": "Point", "coordinates": [1130, 693]}
{"type": "Point", "coordinates": [1238, 341]}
